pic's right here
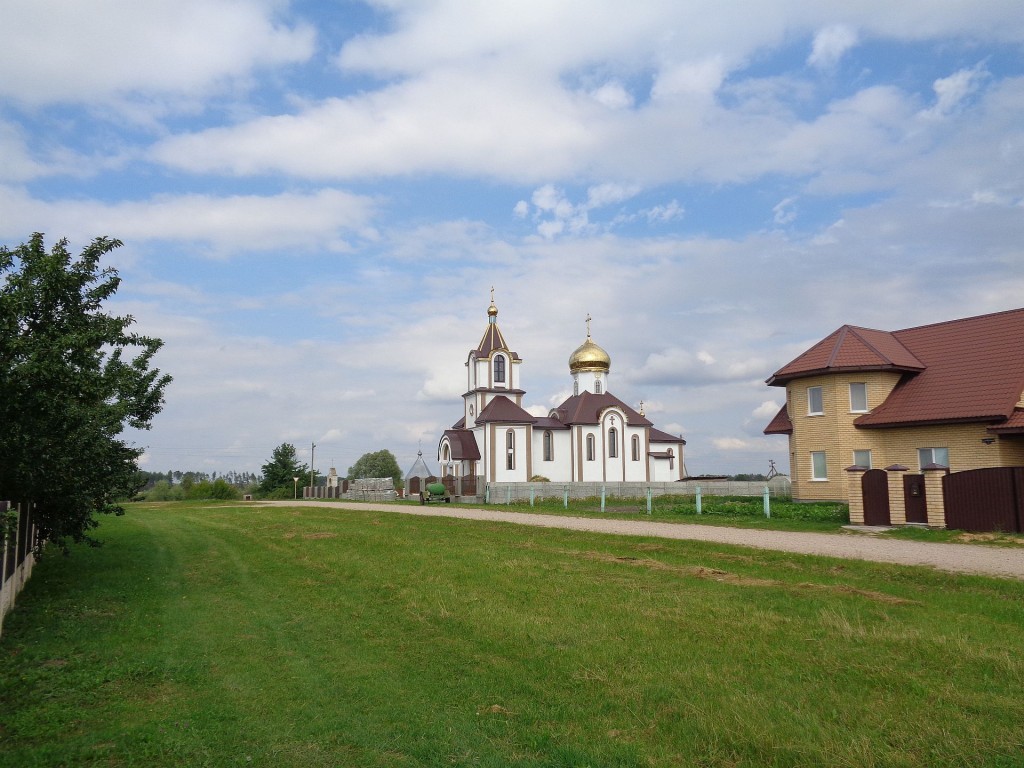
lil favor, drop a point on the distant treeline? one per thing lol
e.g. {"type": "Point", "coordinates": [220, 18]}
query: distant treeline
{"type": "Point", "coordinates": [148, 480]}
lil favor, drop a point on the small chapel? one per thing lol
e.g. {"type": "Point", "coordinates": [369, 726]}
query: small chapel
{"type": "Point", "coordinates": [591, 437]}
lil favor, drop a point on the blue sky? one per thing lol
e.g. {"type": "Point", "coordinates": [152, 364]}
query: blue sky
{"type": "Point", "coordinates": [317, 197]}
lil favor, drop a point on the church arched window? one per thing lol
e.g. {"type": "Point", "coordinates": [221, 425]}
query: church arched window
{"type": "Point", "coordinates": [590, 447]}
{"type": "Point", "coordinates": [549, 446]}
{"type": "Point", "coordinates": [510, 449]}
{"type": "Point", "coordinates": [613, 443]}
{"type": "Point", "coordinates": [597, 386]}
{"type": "Point", "coordinates": [636, 447]}
{"type": "Point", "coordinates": [499, 369]}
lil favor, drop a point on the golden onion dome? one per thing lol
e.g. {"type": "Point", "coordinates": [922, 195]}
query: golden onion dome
{"type": "Point", "coordinates": [589, 357]}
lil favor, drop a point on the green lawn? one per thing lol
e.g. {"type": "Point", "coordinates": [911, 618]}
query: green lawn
{"type": "Point", "coordinates": [735, 511]}
{"type": "Point", "coordinates": [226, 635]}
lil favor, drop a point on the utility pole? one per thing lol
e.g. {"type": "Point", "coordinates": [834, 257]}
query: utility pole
{"type": "Point", "coordinates": [312, 455]}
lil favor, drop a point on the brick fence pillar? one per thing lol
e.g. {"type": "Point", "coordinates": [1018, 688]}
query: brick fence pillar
{"type": "Point", "coordinates": [897, 503]}
{"type": "Point", "coordinates": [855, 492]}
{"type": "Point", "coordinates": [934, 497]}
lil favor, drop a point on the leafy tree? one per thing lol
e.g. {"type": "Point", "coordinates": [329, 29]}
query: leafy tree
{"type": "Point", "coordinates": [281, 470]}
{"type": "Point", "coordinates": [70, 382]}
{"type": "Point", "coordinates": [378, 464]}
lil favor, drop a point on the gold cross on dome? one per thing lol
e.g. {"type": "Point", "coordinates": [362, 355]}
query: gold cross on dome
{"type": "Point", "coordinates": [588, 325]}
{"type": "Point", "coordinates": [492, 294]}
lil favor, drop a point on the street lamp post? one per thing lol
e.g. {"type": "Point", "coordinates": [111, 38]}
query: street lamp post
{"type": "Point", "coordinates": [296, 496]}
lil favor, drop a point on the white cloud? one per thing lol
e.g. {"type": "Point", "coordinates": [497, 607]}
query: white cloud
{"type": "Point", "coordinates": [613, 95]}
{"type": "Point", "coordinates": [952, 91]}
{"type": "Point", "coordinates": [784, 211]}
{"type": "Point", "coordinates": [700, 78]}
{"type": "Point", "coordinates": [227, 224]}
{"type": "Point", "coordinates": [731, 444]}
{"type": "Point", "coordinates": [684, 368]}
{"type": "Point", "coordinates": [662, 214]}
{"type": "Point", "coordinates": [55, 51]}
{"type": "Point", "coordinates": [766, 410]}
{"type": "Point", "coordinates": [830, 44]}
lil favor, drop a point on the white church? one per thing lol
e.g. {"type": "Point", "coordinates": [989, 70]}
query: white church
{"type": "Point", "coordinates": [591, 437]}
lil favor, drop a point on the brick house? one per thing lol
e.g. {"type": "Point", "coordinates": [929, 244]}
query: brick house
{"type": "Point", "coordinates": [950, 393]}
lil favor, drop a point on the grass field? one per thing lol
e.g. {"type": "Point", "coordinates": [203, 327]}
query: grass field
{"type": "Point", "coordinates": [742, 511]}
{"type": "Point", "coordinates": [226, 635]}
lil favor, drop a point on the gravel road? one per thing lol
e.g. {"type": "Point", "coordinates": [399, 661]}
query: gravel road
{"type": "Point", "coordinates": [961, 558]}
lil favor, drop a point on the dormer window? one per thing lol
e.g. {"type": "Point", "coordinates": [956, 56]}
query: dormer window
{"type": "Point", "coordinates": [499, 369]}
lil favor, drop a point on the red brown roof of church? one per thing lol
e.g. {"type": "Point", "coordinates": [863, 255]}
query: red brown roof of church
{"type": "Point", "coordinates": [586, 408]}
{"type": "Point", "coordinates": [463, 444]}
{"type": "Point", "coordinates": [501, 409]}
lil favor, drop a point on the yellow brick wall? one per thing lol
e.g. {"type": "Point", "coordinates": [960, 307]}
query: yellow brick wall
{"type": "Point", "coordinates": [835, 434]}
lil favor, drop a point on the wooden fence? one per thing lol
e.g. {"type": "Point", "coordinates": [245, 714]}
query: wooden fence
{"type": "Point", "coordinates": [19, 540]}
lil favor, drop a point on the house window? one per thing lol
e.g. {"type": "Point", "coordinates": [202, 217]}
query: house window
{"type": "Point", "coordinates": [819, 471]}
{"type": "Point", "coordinates": [858, 397]}
{"type": "Point", "coordinates": [613, 443]}
{"type": "Point", "coordinates": [814, 403]}
{"type": "Point", "coordinates": [510, 450]}
{"type": "Point", "coordinates": [590, 447]}
{"type": "Point", "coordinates": [862, 459]}
{"type": "Point", "coordinates": [636, 447]}
{"type": "Point", "coordinates": [499, 369]}
{"type": "Point", "coordinates": [549, 447]}
{"type": "Point", "coordinates": [928, 456]}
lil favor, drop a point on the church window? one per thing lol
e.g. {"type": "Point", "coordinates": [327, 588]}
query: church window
{"type": "Point", "coordinates": [613, 443]}
{"type": "Point", "coordinates": [590, 447]}
{"type": "Point", "coordinates": [597, 386]}
{"type": "Point", "coordinates": [499, 369]}
{"type": "Point", "coordinates": [575, 386]}
{"type": "Point", "coordinates": [636, 447]}
{"type": "Point", "coordinates": [549, 447]}
{"type": "Point", "coordinates": [510, 450]}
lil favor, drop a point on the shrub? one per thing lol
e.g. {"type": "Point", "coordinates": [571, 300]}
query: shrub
{"type": "Point", "coordinates": [164, 491]}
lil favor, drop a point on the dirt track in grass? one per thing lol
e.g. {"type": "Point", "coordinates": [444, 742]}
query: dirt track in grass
{"type": "Point", "coordinates": [959, 558]}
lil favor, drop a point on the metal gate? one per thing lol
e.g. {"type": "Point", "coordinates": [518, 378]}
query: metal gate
{"type": "Point", "coordinates": [875, 486]}
{"type": "Point", "coordinates": [914, 499]}
{"type": "Point", "coordinates": [985, 499]}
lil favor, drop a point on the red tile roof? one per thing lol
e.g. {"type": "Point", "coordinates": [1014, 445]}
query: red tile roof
{"type": "Point", "coordinates": [463, 444]}
{"type": "Point", "coordinates": [850, 349]}
{"type": "Point", "coordinates": [492, 340]}
{"type": "Point", "coordinates": [501, 409]}
{"type": "Point", "coordinates": [964, 370]}
{"type": "Point", "coordinates": [1013, 425]}
{"type": "Point", "coordinates": [781, 424]}
{"type": "Point", "coordinates": [586, 408]}
{"type": "Point", "coordinates": [657, 436]}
